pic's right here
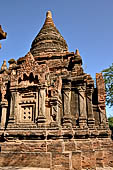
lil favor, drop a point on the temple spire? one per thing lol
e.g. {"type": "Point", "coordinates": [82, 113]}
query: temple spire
{"type": "Point", "coordinates": [48, 14]}
{"type": "Point", "coordinates": [49, 39]}
{"type": "Point", "coordinates": [77, 52]}
{"type": "Point", "coordinates": [49, 19]}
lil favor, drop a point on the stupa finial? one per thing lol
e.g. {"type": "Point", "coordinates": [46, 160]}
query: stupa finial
{"type": "Point", "coordinates": [48, 14]}
{"type": "Point", "coordinates": [49, 39]}
{"type": "Point", "coordinates": [49, 19]}
{"type": "Point", "coordinates": [77, 52]}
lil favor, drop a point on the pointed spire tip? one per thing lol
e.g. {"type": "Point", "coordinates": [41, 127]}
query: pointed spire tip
{"type": "Point", "coordinates": [77, 52]}
{"type": "Point", "coordinates": [48, 14]}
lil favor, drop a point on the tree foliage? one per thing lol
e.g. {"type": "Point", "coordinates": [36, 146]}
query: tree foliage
{"type": "Point", "coordinates": [110, 120]}
{"type": "Point", "coordinates": [108, 77]}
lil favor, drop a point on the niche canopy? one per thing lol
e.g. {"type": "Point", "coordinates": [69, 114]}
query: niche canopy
{"type": "Point", "coordinates": [49, 39]}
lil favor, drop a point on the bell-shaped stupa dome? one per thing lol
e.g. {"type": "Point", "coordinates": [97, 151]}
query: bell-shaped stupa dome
{"type": "Point", "coordinates": [48, 40]}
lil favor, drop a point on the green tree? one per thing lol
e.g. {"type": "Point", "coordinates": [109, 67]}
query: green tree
{"type": "Point", "coordinates": [108, 77]}
{"type": "Point", "coordinates": [110, 119]}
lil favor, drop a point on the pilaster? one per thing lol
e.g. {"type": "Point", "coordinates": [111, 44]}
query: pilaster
{"type": "Point", "coordinates": [13, 106]}
{"type": "Point", "coordinates": [55, 111]}
{"type": "Point", "coordinates": [82, 107]}
{"type": "Point", "coordinates": [41, 107]}
{"type": "Point", "coordinates": [67, 119]}
{"type": "Point", "coordinates": [4, 106]}
{"type": "Point", "coordinates": [91, 120]}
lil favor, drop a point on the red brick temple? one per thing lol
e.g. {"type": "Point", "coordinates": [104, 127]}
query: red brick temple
{"type": "Point", "coordinates": [52, 117]}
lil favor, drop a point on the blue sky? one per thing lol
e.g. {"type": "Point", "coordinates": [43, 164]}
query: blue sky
{"type": "Point", "coordinates": [84, 24]}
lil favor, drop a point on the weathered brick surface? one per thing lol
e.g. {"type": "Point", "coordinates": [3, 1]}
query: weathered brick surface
{"type": "Point", "coordinates": [76, 161]}
{"type": "Point", "coordinates": [70, 145]}
{"type": "Point", "coordinates": [54, 146]}
{"type": "Point", "coordinates": [99, 158]}
{"type": "Point", "coordinates": [106, 144]}
{"type": "Point", "coordinates": [88, 160]}
{"type": "Point", "coordinates": [108, 158]}
{"type": "Point", "coordinates": [60, 161]}
{"type": "Point", "coordinates": [41, 160]}
{"type": "Point", "coordinates": [96, 144]}
{"type": "Point", "coordinates": [24, 147]}
{"type": "Point", "coordinates": [57, 154]}
{"type": "Point", "coordinates": [84, 145]}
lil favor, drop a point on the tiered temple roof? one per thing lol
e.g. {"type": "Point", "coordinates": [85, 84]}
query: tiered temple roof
{"type": "Point", "coordinates": [48, 40]}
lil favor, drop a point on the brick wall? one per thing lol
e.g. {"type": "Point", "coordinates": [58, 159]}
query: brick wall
{"type": "Point", "coordinates": [57, 154]}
